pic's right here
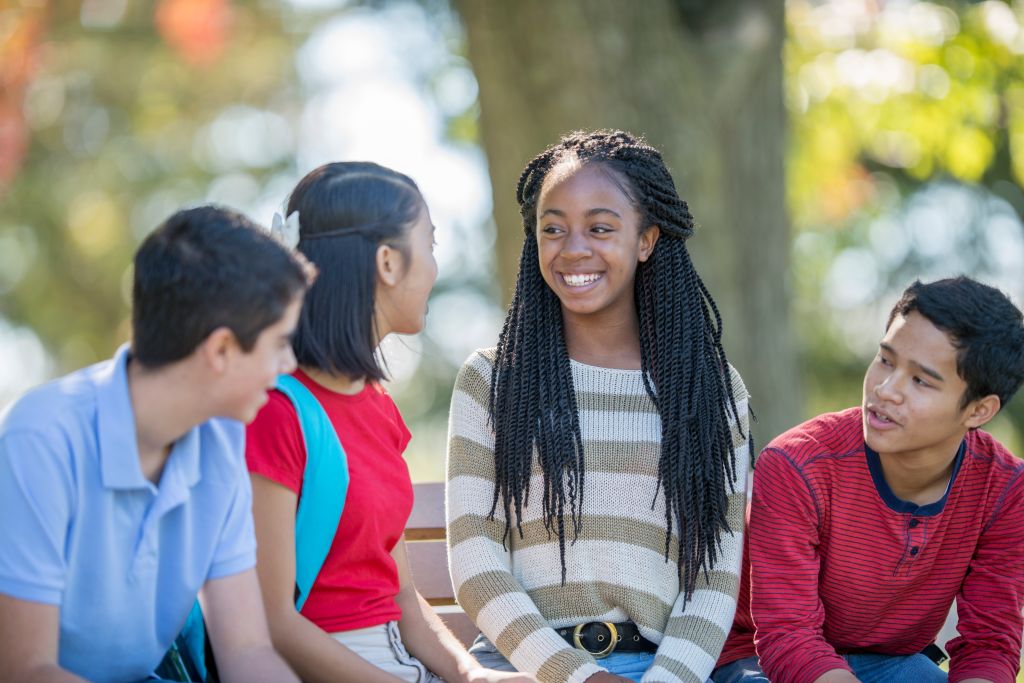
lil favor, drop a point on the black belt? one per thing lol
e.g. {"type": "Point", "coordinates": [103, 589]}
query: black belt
{"type": "Point", "coordinates": [601, 638]}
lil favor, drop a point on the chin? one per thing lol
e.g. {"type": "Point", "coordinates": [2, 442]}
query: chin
{"type": "Point", "coordinates": [249, 413]}
{"type": "Point", "coordinates": [581, 306]}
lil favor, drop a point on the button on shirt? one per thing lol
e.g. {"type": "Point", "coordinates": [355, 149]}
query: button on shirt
{"type": "Point", "coordinates": [82, 528]}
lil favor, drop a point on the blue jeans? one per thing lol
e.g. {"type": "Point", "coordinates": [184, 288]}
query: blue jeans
{"type": "Point", "coordinates": [869, 668]}
{"type": "Point", "coordinates": [631, 665]}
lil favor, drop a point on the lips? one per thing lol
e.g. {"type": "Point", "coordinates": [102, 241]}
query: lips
{"type": "Point", "coordinates": [879, 419]}
{"type": "Point", "coordinates": [580, 279]}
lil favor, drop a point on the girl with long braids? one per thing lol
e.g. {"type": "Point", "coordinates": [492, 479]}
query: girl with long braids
{"type": "Point", "coordinates": [597, 458]}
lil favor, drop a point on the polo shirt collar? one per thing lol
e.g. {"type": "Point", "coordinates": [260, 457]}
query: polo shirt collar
{"type": "Point", "coordinates": [184, 460]}
{"type": "Point", "coordinates": [119, 449]}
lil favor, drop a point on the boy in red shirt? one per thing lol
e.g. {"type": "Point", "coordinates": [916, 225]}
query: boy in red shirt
{"type": "Point", "coordinates": [867, 523]}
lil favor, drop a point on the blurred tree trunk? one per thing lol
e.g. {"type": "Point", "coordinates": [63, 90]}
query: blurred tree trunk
{"type": "Point", "coordinates": [702, 81]}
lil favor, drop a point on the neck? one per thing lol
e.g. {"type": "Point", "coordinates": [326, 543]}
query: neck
{"type": "Point", "coordinates": [339, 384]}
{"type": "Point", "coordinates": [918, 479]}
{"type": "Point", "coordinates": [165, 409]}
{"type": "Point", "coordinates": [603, 342]}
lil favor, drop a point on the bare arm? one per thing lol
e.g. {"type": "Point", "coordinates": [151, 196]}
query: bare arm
{"type": "Point", "coordinates": [314, 655]}
{"type": "Point", "coordinates": [238, 631]}
{"type": "Point", "coordinates": [429, 640]}
{"type": "Point", "coordinates": [28, 642]}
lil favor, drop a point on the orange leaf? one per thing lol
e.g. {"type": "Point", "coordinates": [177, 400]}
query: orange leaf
{"type": "Point", "coordinates": [196, 29]}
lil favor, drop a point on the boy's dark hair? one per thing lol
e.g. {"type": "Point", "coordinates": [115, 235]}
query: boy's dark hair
{"type": "Point", "coordinates": [533, 401]}
{"type": "Point", "coordinates": [206, 268]}
{"type": "Point", "coordinates": [346, 211]}
{"type": "Point", "coordinates": [984, 326]}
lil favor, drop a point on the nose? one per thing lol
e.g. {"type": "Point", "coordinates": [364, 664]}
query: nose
{"type": "Point", "coordinates": [575, 246]}
{"type": "Point", "coordinates": [888, 388]}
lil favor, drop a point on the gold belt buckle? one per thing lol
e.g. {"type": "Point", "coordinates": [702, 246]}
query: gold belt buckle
{"type": "Point", "coordinates": [613, 638]}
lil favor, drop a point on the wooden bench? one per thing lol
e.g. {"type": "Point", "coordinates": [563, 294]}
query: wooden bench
{"type": "Point", "coordinates": [428, 557]}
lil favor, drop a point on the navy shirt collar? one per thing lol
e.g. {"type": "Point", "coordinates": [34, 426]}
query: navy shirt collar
{"type": "Point", "coordinates": [904, 506]}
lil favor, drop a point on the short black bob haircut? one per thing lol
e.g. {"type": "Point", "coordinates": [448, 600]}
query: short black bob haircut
{"type": "Point", "coordinates": [984, 326]}
{"type": "Point", "coordinates": [206, 268]}
{"type": "Point", "coordinates": [346, 211]}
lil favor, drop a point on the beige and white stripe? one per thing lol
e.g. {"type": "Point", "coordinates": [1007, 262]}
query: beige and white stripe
{"type": "Point", "coordinates": [617, 569]}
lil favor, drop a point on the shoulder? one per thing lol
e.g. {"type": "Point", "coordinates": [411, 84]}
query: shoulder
{"type": "Point", "coordinates": [475, 375]}
{"type": "Point", "coordinates": [385, 409]}
{"type": "Point", "coordinates": [61, 405]}
{"type": "Point", "coordinates": [993, 462]}
{"type": "Point", "coordinates": [223, 435]}
{"type": "Point", "coordinates": [739, 389]}
{"type": "Point", "coordinates": [277, 413]}
{"type": "Point", "coordinates": [822, 441]}
{"type": "Point", "coordinates": [222, 452]}
{"type": "Point", "coordinates": [54, 424]}
{"type": "Point", "coordinates": [378, 393]}
{"type": "Point", "coordinates": [49, 439]}
{"type": "Point", "coordinates": [984, 447]}
{"type": "Point", "coordinates": [481, 359]}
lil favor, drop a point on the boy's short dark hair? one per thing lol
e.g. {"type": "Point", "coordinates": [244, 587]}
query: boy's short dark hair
{"type": "Point", "coordinates": [346, 211]}
{"type": "Point", "coordinates": [984, 326]}
{"type": "Point", "coordinates": [206, 268]}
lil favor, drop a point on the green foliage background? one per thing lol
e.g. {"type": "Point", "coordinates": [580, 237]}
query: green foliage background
{"type": "Point", "coordinates": [883, 108]}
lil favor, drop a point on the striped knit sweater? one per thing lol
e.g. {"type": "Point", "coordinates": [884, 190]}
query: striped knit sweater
{"type": "Point", "coordinates": [616, 570]}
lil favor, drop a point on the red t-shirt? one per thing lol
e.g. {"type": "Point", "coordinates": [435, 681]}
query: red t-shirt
{"type": "Point", "coordinates": [358, 583]}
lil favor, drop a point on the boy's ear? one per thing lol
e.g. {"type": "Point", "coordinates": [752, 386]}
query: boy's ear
{"type": "Point", "coordinates": [217, 348]}
{"type": "Point", "coordinates": [389, 265]}
{"type": "Point", "coordinates": [980, 411]}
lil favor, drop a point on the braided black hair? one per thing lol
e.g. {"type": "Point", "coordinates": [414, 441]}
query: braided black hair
{"type": "Point", "coordinates": [686, 374]}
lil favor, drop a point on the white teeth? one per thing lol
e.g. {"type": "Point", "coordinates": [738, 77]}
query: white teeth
{"type": "Point", "coordinates": [574, 280]}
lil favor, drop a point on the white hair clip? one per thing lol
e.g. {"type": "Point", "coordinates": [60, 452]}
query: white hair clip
{"type": "Point", "coordinates": [286, 231]}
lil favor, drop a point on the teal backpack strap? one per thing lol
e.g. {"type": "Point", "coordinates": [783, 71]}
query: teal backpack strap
{"type": "Point", "coordinates": [324, 485]}
{"type": "Point", "coordinates": [190, 658]}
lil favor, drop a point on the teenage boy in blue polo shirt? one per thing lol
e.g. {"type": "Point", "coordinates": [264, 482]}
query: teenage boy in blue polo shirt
{"type": "Point", "coordinates": [123, 487]}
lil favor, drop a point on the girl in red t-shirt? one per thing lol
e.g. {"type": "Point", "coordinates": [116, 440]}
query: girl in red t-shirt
{"type": "Point", "coordinates": [367, 230]}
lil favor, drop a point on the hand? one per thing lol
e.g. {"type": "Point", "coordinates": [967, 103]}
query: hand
{"type": "Point", "coordinates": [606, 677]}
{"type": "Point", "coordinates": [482, 675]}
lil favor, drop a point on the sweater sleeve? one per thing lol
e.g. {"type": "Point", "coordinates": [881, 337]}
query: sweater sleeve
{"type": "Point", "coordinates": [992, 596]}
{"type": "Point", "coordinates": [697, 628]}
{"type": "Point", "coordinates": [480, 564]}
{"type": "Point", "coordinates": [784, 567]}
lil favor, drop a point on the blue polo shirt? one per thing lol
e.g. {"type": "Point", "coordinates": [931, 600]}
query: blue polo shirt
{"type": "Point", "coordinates": [80, 527]}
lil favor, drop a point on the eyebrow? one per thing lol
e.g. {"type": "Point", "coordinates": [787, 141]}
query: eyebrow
{"type": "Point", "coordinates": [590, 212]}
{"type": "Point", "coordinates": [934, 374]}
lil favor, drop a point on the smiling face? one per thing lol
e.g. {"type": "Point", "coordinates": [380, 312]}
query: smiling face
{"type": "Point", "coordinates": [589, 242]}
{"type": "Point", "coordinates": [912, 394]}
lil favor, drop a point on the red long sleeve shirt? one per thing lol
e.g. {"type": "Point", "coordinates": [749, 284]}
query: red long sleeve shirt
{"type": "Point", "coordinates": [836, 563]}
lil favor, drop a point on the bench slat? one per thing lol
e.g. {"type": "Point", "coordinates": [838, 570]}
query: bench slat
{"type": "Point", "coordinates": [428, 559]}
{"type": "Point", "coordinates": [427, 507]}
{"type": "Point", "coordinates": [429, 562]}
